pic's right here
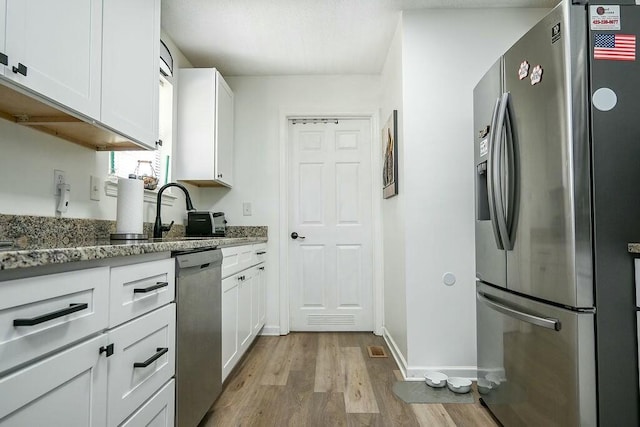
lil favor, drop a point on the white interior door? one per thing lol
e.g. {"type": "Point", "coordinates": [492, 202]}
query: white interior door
{"type": "Point", "coordinates": [330, 263]}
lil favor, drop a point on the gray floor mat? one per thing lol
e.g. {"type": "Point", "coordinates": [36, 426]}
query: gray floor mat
{"type": "Point", "coordinates": [420, 392]}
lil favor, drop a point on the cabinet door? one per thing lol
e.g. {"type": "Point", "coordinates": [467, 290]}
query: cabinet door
{"type": "Point", "coordinates": [256, 296]}
{"type": "Point", "coordinates": [224, 132]}
{"type": "Point", "coordinates": [159, 411]}
{"type": "Point", "coordinates": [205, 128]}
{"type": "Point", "coordinates": [141, 341]}
{"type": "Point", "coordinates": [229, 324]}
{"type": "Point", "coordinates": [66, 389]}
{"type": "Point", "coordinates": [3, 53]}
{"type": "Point", "coordinates": [58, 44]}
{"type": "Point", "coordinates": [131, 68]}
{"type": "Point", "coordinates": [137, 289]}
{"type": "Point", "coordinates": [41, 314]}
{"type": "Point", "coordinates": [262, 301]}
{"type": "Point", "coordinates": [245, 327]}
{"type": "Point", "coordinates": [236, 259]}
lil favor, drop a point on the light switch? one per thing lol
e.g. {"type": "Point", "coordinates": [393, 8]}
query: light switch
{"type": "Point", "coordinates": [94, 191]}
{"type": "Point", "coordinates": [246, 209]}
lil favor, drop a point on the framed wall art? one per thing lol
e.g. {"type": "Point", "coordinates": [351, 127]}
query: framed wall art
{"type": "Point", "coordinates": [390, 156]}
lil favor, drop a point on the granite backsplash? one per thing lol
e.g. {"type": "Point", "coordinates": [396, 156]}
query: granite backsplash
{"type": "Point", "coordinates": [27, 231]}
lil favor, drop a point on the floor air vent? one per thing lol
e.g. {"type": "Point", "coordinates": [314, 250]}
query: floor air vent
{"type": "Point", "coordinates": [330, 319]}
{"type": "Point", "coordinates": [376, 351]}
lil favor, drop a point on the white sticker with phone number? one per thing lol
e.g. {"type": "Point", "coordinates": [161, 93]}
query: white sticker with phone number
{"type": "Point", "coordinates": [605, 17]}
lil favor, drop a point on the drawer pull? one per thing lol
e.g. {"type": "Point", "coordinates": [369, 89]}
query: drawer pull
{"type": "Point", "coordinates": [158, 285]}
{"type": "Point", "coordinates": [159, 352]}
{"type": "Point", "coordinates": [260, 253]}
{"type": "Point", "coordinates": [50, 316]}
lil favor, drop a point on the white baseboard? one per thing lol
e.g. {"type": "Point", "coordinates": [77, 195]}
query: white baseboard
{"type": "Point", "coordinates": [270, 330]}
{"type": "Point", "coordinates": [416, 373]}
{"type": "Point", "coordinates": [395, 352]}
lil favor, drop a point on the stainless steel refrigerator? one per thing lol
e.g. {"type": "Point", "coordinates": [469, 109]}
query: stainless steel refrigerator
{"type": "Point", "coordinates": [557, 170]}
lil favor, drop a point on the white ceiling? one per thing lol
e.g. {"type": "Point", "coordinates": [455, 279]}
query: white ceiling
{"type": "Point", "coordinates": [288, 37]}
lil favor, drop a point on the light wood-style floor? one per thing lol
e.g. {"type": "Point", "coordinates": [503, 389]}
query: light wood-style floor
{"type": "Point", "coordinates": [326, 379]}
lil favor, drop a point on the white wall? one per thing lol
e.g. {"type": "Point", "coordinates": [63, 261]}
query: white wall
{"type": "Point", "coordinates": [27, 161]}
{"type": "Point", "coordinates": [393, 212]}
{"type": "Point", "coordinates": [259, 104]}
{"type": "Point", "coordinates": [445, 53]}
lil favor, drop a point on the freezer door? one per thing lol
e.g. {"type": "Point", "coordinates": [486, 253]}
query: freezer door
{"type": "Point", "coordinates": [545, 75]}
{"type": "Point", "coordinates": [536, 363]}
{"type": "Point", "coordinates": [490, 256]}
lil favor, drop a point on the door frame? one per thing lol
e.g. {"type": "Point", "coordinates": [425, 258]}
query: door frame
{"type": "Point", "coordinates": [376, 211]}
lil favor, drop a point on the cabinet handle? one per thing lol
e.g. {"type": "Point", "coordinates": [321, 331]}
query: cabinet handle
{"type": "Point", "coordinates": [159, 142]}
{"type": "Point", "coordinates": [260, 253]}
{"type": "Point", "coordinates": [158, 285]}
{"type": "Point", "coordinates": [50, 316]}
{"type": "Point", "coordinates": [219, 175]}
{"type": "Point", "coordinates": [159, 352]}
{"type": "Point", "coordinates": [4, 59]}
{"type": "Point", "coordinates": [261, 268]}
{"type": "Point", "coordinates": [21, 69]}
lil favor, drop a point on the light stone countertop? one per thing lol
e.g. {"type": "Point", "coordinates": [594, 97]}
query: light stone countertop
{"type": "Point", "coordinates": [101, 249]}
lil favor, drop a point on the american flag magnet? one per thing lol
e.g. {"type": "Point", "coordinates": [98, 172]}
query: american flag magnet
{"type": "Point", "coordinates": [523, 72]}
{"type": "Point", "coordinates": [615, 47]}
{"type": "Point", "coordinates": [536, 75]}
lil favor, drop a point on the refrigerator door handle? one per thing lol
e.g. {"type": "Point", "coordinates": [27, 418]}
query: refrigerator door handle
{"type": "Point", "coordinates": [491, 172]}
{"type": "Point", "coordinates": [511, 174]}
{"type": "Point", "coordinates": [545, 322]}
{"type": "Point", "coordinates": [499, 141]}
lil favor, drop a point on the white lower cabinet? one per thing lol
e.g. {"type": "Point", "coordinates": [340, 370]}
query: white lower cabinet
{"type": "Point", "coordinates": [41, 314]}
{"type": "Point", "coordinates": [260, 295]}
{"type": "Point", "coordinates": [61, 365]}
{"type": "Point", "coordinates": [229, 324]}
{"type": "Point", "coordinates": [243, 301]}
{"type": "Point", "coordinates": [143, 361]}
{"type": "Point", "coordinates": [66, 389]}
{"type": "Point", "coordinates": [245, 293]}
{"type": "Point", "coordinates": [159, 411]}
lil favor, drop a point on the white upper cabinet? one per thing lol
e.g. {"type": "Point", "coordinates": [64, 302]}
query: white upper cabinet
{"type": "Point", "coordinates": [205, 128]}
{"type": "Point", "coordinates": [54, 50]}
{"type": "Point", "coordinates": [4, 60]}
{"type": "Point", "coordinates": [130, 68]}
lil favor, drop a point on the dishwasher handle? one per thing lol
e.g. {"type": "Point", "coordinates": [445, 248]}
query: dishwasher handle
{"type": "Point", "coordinates": [545, 322]}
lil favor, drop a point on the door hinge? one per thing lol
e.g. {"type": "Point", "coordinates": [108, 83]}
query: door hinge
{"type": "Point", "coordinates": [4, 59]}
{"type": "Point", "coordinates": [107, 349]}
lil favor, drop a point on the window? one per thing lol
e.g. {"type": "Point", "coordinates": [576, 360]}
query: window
{"type": "Point", "coordinates": [124, 163]}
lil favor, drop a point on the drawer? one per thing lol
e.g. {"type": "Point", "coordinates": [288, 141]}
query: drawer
{"type": "Point", "coordinates": [140, 341]}
{"type": "Point", "coordinates": [260, 252]}
{"type": "Point", "coordinates": [140, 288]}
{"type": "Point", "coordinates": [237, 258]}
{"type": "Point", "coordinates": [41, 314]}
{"type": "Point", "coordinates": [159, 411]}
{"type": "Point", "coordinates": [66, 389]}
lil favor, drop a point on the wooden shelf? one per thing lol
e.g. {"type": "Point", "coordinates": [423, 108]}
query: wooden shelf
{"type": "Point", "coordinates": [26, 109]}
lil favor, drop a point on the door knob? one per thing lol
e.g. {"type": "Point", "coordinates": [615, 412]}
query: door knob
{"type": "Point", "coordinates": [295, 235]}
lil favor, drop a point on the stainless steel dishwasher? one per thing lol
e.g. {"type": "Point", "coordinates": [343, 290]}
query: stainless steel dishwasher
{"type": "Point", "coordinates": [198, 334]}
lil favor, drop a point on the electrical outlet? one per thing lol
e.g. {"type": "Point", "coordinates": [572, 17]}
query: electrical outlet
{"type": "Point", "coordinates": [246, 209]}
{"type": "Point", "coordinates": [94, 189]}
{"type": "Point", "coordinates": [59, 177]}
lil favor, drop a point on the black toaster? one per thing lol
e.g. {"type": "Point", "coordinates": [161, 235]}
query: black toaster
{"type": "Point", "coordinates": [206, 224]}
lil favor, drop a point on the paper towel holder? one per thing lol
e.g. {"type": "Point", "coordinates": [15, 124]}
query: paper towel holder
{"type": "Point", "coordinates": [129, 236]}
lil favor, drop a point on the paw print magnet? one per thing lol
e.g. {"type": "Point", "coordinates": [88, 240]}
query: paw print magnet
{"type": "Point", "coordinates": [523, 72]}
{"type": "Point", "coordinates": [536, 75]}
